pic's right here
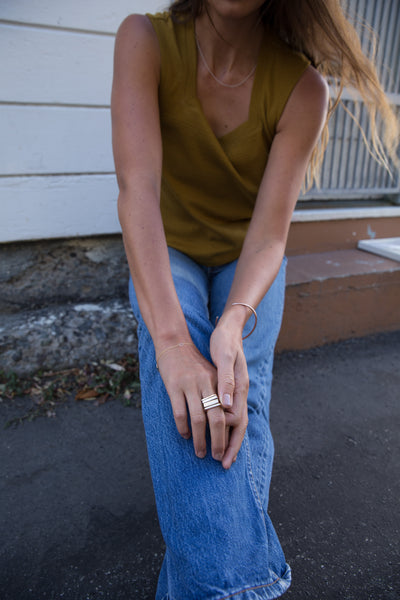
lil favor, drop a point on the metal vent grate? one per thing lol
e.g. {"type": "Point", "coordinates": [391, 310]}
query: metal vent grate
{"type": "Point", "coordinates": [348, 170]}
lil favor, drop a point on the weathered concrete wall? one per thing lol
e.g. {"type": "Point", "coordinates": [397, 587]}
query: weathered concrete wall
{"type": "Point", "coordinates": [36, 274]}
{"type": "Point", "coordinates": [63, 302]}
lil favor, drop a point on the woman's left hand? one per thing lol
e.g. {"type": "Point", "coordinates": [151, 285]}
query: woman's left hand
{"type": "Point", "coordinates": [233, 381]}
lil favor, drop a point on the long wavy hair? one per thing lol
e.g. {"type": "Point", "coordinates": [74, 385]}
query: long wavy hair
{"type": "Point", "coordinates": [321, 31]}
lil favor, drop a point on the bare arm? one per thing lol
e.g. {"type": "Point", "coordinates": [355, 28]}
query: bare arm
{"type": "Point", "coordinates": [297, 134]}
{"type": "Point", "coordinates": [138, 157]}
{"type": "Point", "coordinates": [187, 375]}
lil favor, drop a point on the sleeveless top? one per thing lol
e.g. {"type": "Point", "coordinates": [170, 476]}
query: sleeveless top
{"type": "Point", "coordinates": [209, 185]}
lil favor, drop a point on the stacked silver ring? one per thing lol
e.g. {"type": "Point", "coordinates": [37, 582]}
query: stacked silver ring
{"type": "Point", "coordinates": [210, 402]}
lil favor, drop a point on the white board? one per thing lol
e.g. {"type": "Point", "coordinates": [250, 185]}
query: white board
{"type": "Point", "coordinates": [38, 140]}
{"type": "Point", "coordinates": [387, 247]}
{"type": "Point", "coordinates": [52, 207]}
{"type": "Point", "coordinates": [47, 66]}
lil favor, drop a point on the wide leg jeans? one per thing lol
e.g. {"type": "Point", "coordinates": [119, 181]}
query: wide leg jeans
{"type": "Point", "coordinates": [220, 542]}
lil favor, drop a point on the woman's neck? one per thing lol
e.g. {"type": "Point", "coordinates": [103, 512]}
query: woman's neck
{"type": "Point", "coordinates": [229, 45]}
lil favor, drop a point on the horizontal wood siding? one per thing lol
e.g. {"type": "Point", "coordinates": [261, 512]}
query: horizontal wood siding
{"type": "Point", "coordinates": [90, 15]}
{"type": "Point", "coordinates": [56, 164]}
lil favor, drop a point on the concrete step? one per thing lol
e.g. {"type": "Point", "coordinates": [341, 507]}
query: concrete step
{"type": "Point", "coordinates": [332, 296]}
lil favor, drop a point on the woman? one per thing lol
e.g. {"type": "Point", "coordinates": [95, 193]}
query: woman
{"type": "Point", "coordinates": [215, 119]}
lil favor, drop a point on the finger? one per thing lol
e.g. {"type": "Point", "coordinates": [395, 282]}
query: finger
{"type": "Point", "coordinates": [227, 434]}
{"type": "Point", "coordinates": [226, 380]}
{"type": "Point", "coordinates": [179, 410]}
{"type": "Point", "coordinates": [198, 422]}
{"type": "Point", "coordinates": [238, 413]}
{"type": "Point", "coordinates": [235, 443]}
{"type": "Point", "coordinates": [241, 381]}
{"type": "Point", "coordinates": [216, 422]}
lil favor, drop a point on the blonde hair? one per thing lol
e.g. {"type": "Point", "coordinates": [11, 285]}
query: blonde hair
{"type": "Point", "coordinates": [320, 30]}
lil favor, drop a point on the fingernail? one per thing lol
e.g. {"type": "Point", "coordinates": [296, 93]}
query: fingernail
{"type": "Point", "coordinates": [218, 457]}
{"type": "Point", "coordinates": [227, 400]}
{"type": "Point", "coordinates": [200, 454]}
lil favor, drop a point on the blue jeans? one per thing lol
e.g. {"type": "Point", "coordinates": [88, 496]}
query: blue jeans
{"type": "Point", "coordinates": [220, 542]}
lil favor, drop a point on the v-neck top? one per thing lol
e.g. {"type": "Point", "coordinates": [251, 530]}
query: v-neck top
{"type": "Point", "coordinates": [209, 184]}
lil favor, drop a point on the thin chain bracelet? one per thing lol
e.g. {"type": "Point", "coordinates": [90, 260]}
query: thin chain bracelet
{"type": "Point", "coordinates": [171, 348]}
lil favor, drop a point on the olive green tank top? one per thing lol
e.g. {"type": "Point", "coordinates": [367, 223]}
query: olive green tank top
{"type": "Point", "coordinates": [209, 184]}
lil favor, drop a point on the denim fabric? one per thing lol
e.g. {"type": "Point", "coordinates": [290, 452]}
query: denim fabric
{"type": "Point", "coordinates": [220, 542]}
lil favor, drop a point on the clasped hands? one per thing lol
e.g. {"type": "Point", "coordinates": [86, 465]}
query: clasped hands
{"type": "Point", "coordinates": [189, 377]}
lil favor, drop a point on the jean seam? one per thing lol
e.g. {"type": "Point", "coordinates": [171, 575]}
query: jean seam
{"type": "Point", "coordinates": [241, 591]}
{"type": "Point", "coordinates": [263, 364]}
{"type": "Point", "coordinates": [254, 587]}
{"type": "Point", "coordinates": [253, 485]}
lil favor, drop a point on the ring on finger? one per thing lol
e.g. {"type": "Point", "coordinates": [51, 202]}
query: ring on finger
{"type": "Point", "coordinates": [210, 402]}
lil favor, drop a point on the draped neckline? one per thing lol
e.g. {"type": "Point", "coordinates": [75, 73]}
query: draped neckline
{"type": "Point", "coordinates": [247, 124]}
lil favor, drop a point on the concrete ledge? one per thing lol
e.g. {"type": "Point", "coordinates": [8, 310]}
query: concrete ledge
{"type": "Point", "coordinates": [59, 337]}
{"type": "Point", "coordinates": [344, 214]}
{"type": "Point", "coordinates": [334, 296]}
{"type": "Point", "coordinates": [34, 275]}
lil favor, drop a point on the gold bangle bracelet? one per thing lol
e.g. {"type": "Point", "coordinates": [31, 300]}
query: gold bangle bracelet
{"type": "Point", "coordinates": [171, 348]}
{"type": "Point", "coordinates": [254, 313]}
{"type": "Point", "coordinates": [252, 310]}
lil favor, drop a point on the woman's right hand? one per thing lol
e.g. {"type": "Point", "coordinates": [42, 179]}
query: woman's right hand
{"type": "Point", "coordinates": [189, 377]}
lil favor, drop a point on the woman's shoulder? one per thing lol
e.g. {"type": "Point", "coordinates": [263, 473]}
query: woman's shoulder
{"type": "Point", "coordinates": [148, 23]}
{"type": "Point", "coordinates": [312, 90]}
{"type": "Point", "coordinates": [136, 43]}
{"type": "Point", "coordinates": [283, 69]}
{"type": "Point", "coordinates": [307, 105]}
{"type": "Point", "coordinates": [136, 28]}
{"type": "Point", "coordinates": [158, 28]}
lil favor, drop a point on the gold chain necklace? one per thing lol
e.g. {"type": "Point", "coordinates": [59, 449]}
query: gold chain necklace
{"type": "Point", "coordinates": [228, 85]}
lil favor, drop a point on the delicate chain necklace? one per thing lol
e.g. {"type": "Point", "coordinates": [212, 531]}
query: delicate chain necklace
{"type": "Point", "coordinates": [228, 85]}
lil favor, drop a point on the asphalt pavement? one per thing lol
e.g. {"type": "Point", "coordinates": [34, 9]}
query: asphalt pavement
{"type": "Point", "coordinates": [78, 518]}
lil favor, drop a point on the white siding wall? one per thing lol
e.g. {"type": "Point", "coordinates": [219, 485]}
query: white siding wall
{"type": "Point", "coordinates": [56, 166]}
